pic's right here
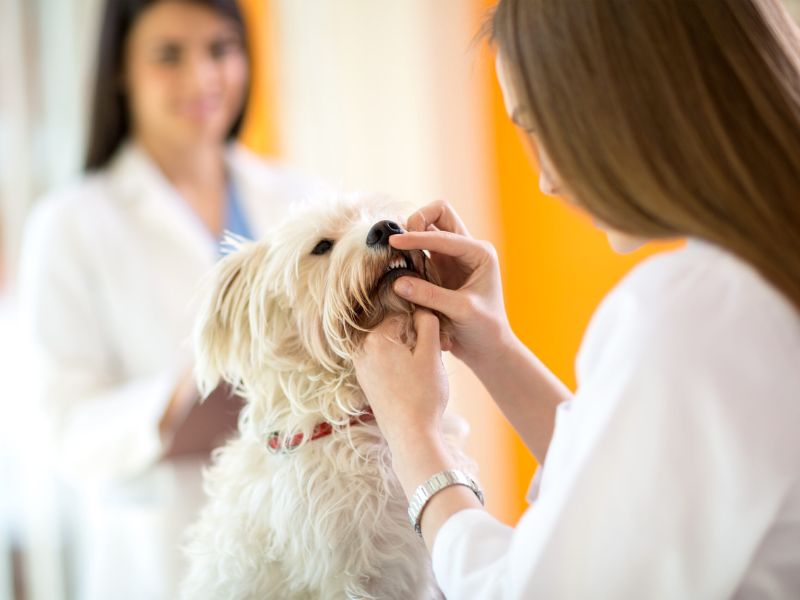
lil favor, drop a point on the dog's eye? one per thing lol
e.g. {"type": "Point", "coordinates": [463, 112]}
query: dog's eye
{"type": "Point", "coordinates": [322, 247]}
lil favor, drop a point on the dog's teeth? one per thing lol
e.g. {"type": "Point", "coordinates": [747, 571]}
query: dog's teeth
{"type": "Point", "coordinates": [397, 263]}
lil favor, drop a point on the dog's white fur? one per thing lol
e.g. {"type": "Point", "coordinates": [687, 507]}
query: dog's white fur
{"type": "Point", "coordinates": [281, 325]}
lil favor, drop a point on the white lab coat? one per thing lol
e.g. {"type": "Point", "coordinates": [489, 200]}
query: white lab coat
{"type": "Point", "coordinates": [109, 280]}
{"type": "Point", "coordinates": [675, 471]}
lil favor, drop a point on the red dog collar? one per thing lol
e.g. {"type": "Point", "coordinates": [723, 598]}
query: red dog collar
{"type": "Point", "coordinates": [321, 430]}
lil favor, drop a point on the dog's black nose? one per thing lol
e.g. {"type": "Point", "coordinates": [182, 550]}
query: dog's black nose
{"type": "Point", "coordinates": [380, 233]}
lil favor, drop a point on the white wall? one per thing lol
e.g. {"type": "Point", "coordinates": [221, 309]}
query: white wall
{"type": "Point", "coordinates": [388, 96]}
{"type": "Point", "coordinates": [381, 95]}
{"type": "Point", "coordinates": [46, 59]}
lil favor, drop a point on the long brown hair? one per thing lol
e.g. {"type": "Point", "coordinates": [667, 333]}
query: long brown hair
{"type": "Point", "coordinates": [109, 118]}
{"type": "Point", "coordinates": [670, 118]}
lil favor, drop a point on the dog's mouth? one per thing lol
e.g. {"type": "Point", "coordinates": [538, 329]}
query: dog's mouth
{"type": "Point", "coordinates": [379, 297]}
{"type": "Point", "coordinates": [374, 298]}
{"type": "Point", "coordinates": [400, 263]}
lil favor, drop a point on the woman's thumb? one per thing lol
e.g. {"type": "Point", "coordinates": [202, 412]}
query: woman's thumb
{"type": "Point", "coordinates": [426, 324]}
{"type": "Point", "coordinates": [424, 293]}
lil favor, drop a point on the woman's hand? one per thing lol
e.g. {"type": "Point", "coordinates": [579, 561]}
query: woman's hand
{"type": "Point", "coordinates": [472, 296]}
{"type": "Point", "coordinates": [403, 388]}
{"type": "Point", "coordinates": [407, 389]}
{"type": "Point", "coordinates": [184, 397]}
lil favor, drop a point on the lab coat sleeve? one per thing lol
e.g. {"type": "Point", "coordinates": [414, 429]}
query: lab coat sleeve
{"type": "Point", "coordinates": [670, 478]}
{"type": "Point", "coordinates": [102, 425]}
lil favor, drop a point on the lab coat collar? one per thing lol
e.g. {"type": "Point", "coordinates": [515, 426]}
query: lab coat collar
{"type": "Point", "coordinates": [141, 185]}
{"type": "Point", "coordinates": [264, 188]}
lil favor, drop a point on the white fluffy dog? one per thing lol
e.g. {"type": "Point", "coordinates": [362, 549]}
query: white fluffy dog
{"type": "Point", "coordinates": [303, 502]}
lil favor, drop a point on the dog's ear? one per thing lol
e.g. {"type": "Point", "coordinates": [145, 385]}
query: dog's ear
{"type": "Point", "coordinates": [222, 335]}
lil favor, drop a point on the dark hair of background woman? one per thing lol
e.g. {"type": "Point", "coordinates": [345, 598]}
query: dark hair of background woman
{"type": "Point", "coordinates": [109, 117]}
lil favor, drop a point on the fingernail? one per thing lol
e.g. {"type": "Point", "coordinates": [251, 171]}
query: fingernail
{"type": "Point", "coordinates": [402, 288]}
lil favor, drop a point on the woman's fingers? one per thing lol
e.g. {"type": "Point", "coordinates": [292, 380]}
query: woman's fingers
{"type": "Point", "coordinates": [424, 293]}
{"type": "Point", "coordinates": [471, 252]}
{"type": "Point", "coordinates": [439, 214]}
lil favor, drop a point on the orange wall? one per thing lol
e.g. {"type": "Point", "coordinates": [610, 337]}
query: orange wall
{"type": "Point", "coordinates": [259, 131]}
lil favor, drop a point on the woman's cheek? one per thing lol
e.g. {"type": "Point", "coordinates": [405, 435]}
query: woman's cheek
{"type": "Point", "coordinates": [236, 74]}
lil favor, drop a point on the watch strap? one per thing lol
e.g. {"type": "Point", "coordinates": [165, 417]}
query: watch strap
{"type": "Point", "coordinates": [432, 486]}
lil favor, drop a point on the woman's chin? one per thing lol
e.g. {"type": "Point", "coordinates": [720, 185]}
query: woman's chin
{"type": "Point", "coordinates": [623, 243]}
{"type": "Point", "coordinates": [199, 131]}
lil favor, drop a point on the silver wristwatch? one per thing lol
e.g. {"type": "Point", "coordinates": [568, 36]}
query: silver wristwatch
{"type": "Point", "coordinates": [435, 484]}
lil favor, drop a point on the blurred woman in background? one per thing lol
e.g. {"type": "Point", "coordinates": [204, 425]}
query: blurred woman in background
{"type": "Point", "coordinates": [109, 269]}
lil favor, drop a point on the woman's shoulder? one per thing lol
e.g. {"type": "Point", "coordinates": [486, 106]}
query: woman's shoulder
{"type": "Point", "coordinates": [69, 203]}
{"type": "Point", "coordinates": [705, 287]}
{"type": "Point", "coordinates": [699, 338]}
{"type": "Point", "coordinates": [698, 305]}
{"type": "Point", "coordinates": [79, 214]}
{"type": "Point", "coordinates": [97, 190]}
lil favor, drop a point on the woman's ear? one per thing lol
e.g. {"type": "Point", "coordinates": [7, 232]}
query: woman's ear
{"type": "Point", "coordinates": [222, 334]}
